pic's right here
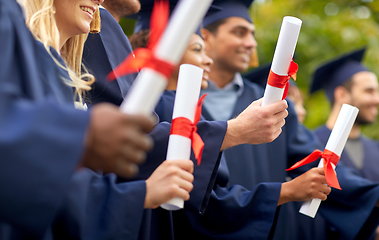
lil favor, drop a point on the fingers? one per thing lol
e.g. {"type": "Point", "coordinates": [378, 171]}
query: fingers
{"type": "Point", "coordinates": [186, 165]}
{"type": "Point", "coordinates": [277, 107]}
{"type": "Point", "coordinates": [142, 122]}
{"type": "Point", "coordinates": [126, 169]}
{"type": "Point", "coordinates": [258, 102]}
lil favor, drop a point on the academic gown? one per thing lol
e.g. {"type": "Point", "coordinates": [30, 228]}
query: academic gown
{"type": "Point", "coordinates": [369, 172]}
{"type": "Point", "coordinates": [102, 53]}
{"type": "Point", "coordinates": [40, 138]}
{"type": "Point", "coordinates": [255, 210]}
{"type": "Point", "coordinates": [370, 168]}
{"type": "Point", "coordinates": [251, 164]}
{"type": "Point", "coordinates": [157, 224]}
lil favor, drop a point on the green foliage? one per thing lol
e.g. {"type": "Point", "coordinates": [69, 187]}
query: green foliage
{"type": "Point", "coordinates": [349, 25]}
{"type": "Point", "coordinates": [322, 37]}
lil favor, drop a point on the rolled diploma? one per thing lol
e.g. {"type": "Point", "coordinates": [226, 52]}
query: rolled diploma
{"type": "Point", "coordinates": [289, 33]}
{"type": "Point", "coordinates": [149, 85]}
{"type": "Point", "coordinates": [187, 96]}
{"type": "Point", "coordinates": [336, 143]}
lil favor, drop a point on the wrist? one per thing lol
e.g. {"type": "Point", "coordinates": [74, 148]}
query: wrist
{"type": "Point", "coordinates": [232, 136]}
{"type": "Point", "coordinates": [284, 195]}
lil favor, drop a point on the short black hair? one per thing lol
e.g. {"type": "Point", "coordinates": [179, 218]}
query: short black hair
{"type": "Point", "coordinates": [213, 27]}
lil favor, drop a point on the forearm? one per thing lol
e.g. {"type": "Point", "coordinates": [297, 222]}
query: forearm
{"type": "Point", "coordinates": [232, 137]}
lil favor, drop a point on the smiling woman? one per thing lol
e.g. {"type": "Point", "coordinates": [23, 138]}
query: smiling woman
{"type": "Point", "coordinates": [64, 25]}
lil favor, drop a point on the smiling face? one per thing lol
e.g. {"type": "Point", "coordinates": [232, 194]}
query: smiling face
{"type": "Point", "coordinates": [232, 44]}
{"type": "Point", "coordinates": [365, 96]}
{"type": "Point", "coordinates": [73, 17]}
{"type": "Point", "coordinates": [195, 55]}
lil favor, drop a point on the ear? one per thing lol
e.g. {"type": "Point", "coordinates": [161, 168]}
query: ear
{"type": "Point", "coordinates": [205, 34]}
{"type": "Point", "coordinates": [341, 95]}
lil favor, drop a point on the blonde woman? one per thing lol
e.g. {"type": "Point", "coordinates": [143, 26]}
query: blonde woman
{"type": "Point", "coordinates": [64, 26]}
{"type": "Point", "coordinates": [92, 206]}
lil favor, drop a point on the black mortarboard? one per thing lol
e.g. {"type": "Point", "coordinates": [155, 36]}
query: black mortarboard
{"type": "Point", "coordinates": [229, 8]}
{"type": "Point", "coordinates": [336, 72]}
{"type": "Point", "coordinates": [143, 16]}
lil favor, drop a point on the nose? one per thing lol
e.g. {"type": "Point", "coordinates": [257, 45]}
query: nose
{"type": "Point", "coordinates": [207, 61]}
{"type": "Point", "coordinates": [376, 98]}
{"type": "Point", "coordinates": [250, 41]}
{"type": "Point", "coordinates": [98, 1]}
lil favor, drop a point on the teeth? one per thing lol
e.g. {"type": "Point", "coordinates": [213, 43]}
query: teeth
{"type": "Point", "coordinates": [87, 9]}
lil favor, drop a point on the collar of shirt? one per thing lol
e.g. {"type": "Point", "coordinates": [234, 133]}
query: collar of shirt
{"type": "Point", "coordinates": [236, 84]}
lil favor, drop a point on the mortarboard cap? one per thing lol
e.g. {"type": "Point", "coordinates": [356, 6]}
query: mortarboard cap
{"type": "Point", "coordinates": [143, 16]}
{"type": "Point", "coordinates": [229, 8]}
{"type": "Point", "coordinates": [336, 72]}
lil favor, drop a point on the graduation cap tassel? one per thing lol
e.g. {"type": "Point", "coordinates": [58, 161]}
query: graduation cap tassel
{"type": "Point", "coordinates": [96, 22]}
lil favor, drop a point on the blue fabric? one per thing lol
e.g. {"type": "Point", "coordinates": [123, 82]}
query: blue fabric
{"type": "Point", "coordinates": [98, 208]}
{"type": "Point", "coordinates": [103, 52]}
{"type": "Point", "coordinates": [225, 204]}
{"type": "Point", "coordinates": [235, 8]}
{"type": "Point", "coordinates": [41, 134]}
{"type": "Point", "coordinates": [157, 224]}
{"type": "Point", "coordinates": [337, 71]}
{"type": "Point", "coordinates": [369, 174]}
{"type": "Point", "coordinates": [370, 168]}
{"type": "Point", "coordinates": [250, 165]}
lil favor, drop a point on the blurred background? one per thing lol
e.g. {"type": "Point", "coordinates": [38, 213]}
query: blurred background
{"type": "Point", "coordinates": [330, 28]}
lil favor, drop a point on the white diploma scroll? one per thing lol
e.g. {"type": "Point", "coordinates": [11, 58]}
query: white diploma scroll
{"type": "Point", "coordinates": [336, 144]}
{"type": "Point", "coordinates": [149, 85]}
{"type": "Point", "coordinates": [285, 48]}
{"type": "Point", "coordinates": [187, 96]}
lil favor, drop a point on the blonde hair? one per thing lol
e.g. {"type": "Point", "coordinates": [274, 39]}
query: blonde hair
{"type": "Point", "coordinates": [41, 21]}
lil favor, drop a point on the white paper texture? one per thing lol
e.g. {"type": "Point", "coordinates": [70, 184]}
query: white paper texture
{"type": "Point", "coordinates": [285, 48]}
{"type": "Point", "coordinates": [186, 99]}
{"type": "Point", "coordinates": [147, 88]}
{"type": "Point", "coordinates": [336, 143]}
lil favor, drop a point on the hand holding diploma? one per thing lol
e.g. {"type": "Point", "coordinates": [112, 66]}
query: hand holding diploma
{"type": "Point", "coordinates": [186, 114]}
{"type": "Point", "coordinates": [283, 67]}
{"type": "Point", "coordinates": [331, 154]}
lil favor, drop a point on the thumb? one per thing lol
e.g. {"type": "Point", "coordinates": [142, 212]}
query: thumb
{"type": "Point", "coordinates": [258, 102]}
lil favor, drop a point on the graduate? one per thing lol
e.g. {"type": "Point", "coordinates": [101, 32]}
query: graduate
{"type": "Point", "coordinates": [226, 204]}
{"type": "Point", "coordinates": [43, 137]}
{"type": "Point", "coordinates": [217, 135]}
{"type": "Point", "coordinates": [259, 75]}
{"type": "Point", "coordinates": [346, 80]}
{"type": "Point", "coordinates": [38, 115]}
{"type": "Point", "coordinates": [229, 41]}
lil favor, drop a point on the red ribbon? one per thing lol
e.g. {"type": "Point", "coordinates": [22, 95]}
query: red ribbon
{"type": "Point", "coordinates": [145, 57]}
{"type": "Point", "coordinates": [329, 158]}
{"type": "Point", "coordinates": [184, 127]}
{"type": "Point", "coordinates": [278, 81]}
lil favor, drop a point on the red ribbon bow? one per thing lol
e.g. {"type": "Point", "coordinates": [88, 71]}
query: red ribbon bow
{"type": "Point", "coordinates": [329, 158]}
{"type": "Point", "coordinates": [145, 57]}
{"type": "Point", "coordinates": [278, 81]}
{"type": "Point", "coordinates": [184, 127]}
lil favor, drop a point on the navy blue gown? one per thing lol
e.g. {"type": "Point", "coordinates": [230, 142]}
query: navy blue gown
{"type": "Point", "coordinates": [250, 165]}
{"type": "Point", "coordinates": [102, 53]}
{"type": "Point", "coordinates": [369, 171]}
{"type": "Point", "coordinates": [253, 210]}
{"type": "Point", "coordinates": [36, 165]}
{"type": "Point", "coordinates": [44, 195]}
